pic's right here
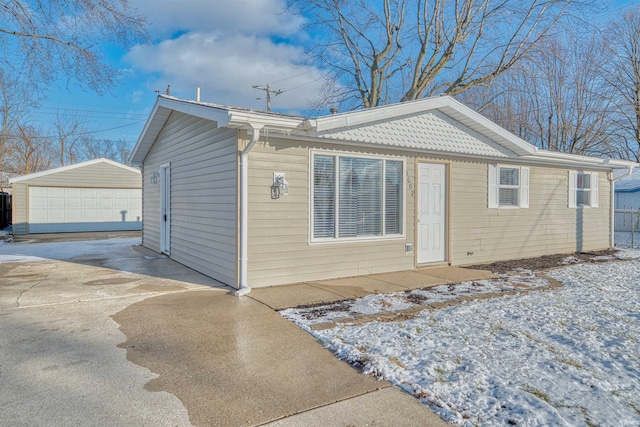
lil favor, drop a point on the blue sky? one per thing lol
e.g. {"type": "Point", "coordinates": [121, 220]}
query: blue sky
{"type": "Point", "coordinates": [222, 46]}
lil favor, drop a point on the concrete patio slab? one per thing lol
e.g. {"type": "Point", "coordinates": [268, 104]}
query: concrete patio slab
{"type": "Point", "coordinates": [387, 407]}
{"type": "Point", "coordinates": [456, 274]}
{"type": "Point", "coordinates": [411, 279]}
{"type": "Point", "coordinates": [279, 297]}
{"type": "Point", "coordinates": [233, 361]}
{"type": "Point", "coordinates": [328, 291]}
{"type": "Point", "coordinates": [355, 287]}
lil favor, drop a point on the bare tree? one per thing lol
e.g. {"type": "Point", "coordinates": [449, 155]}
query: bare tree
{"type": "Point", "coordinates": [53, 38]}
{"type": "Point", "coordinates": [30, 151]}
{"type": "Point", "coordinates": [400, 50]}
{"type": "Point", "coordinates": [71, 132]}
{"type": "Point", "coordinates": [16, 100]}
{"type": "Point", "coordinates": [624, 77]}
{"type": "Point", "coordinates": [114, 150]}
{"type": "Point", "coordinates": [557, 98]}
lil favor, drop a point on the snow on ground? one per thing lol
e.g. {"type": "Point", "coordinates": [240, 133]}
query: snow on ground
{"type": "Point", "coordinates": [397, 301]}
{"type": "Point", "coordinates": [627, 254]}
{"type": "Point", "coordinates": [565, 357]}
{"type": "Point", "coordinates": [63, 250]}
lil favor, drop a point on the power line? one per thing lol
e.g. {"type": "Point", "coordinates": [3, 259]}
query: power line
{"type": "Point", "coordinates": [291, 77]}
{"type": "Point", "coordinates": [79, 133]}
{"type": "Point", "coordinates": [79, 110]}
{"type": "Point", "coordinates": [269, 92]}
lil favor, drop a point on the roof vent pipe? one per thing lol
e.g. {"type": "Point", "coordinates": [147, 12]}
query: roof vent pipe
{"type": "Point", "coordinates": [334, 110]}
{"type": "Point", "coordinates": [197, 94]}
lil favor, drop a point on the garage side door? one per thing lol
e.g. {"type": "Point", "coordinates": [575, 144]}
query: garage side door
{"type": "Point", "coordinates": [58, 209]}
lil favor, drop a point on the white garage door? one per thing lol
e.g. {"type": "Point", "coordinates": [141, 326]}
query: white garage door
{"type": "Point", "coordinates": [55, 209]}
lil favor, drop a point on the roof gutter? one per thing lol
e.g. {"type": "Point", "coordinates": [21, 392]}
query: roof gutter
{"type": "Point", "coordinates": [244, 288]}
{"type": "Point", "coordinates": [613, 180]}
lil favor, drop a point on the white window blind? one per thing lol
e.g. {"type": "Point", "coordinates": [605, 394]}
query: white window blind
{"type": "Point", "coordinates": [364, 200]}
{"type": "Point", "coordinates": [324, 193]}
{"type": "Point", "coordinates": [360, 192]}
{"type": "Point", "coordinates": [508, 186]}
{"type": "Point", "coordinates": [393, 197]}
{"type": "Point", "coordinates": [583, 189]}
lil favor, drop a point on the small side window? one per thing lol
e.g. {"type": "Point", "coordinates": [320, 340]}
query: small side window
{"type": "Point", "coordinates": [583, 189]}
{"type": "Point", "coordinates": [508, 186]}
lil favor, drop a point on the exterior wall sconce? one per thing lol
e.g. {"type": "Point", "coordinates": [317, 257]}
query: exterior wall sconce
{"type": "Point", "coordinates": [280, 186]}
{"type": "Point", "coordinates": [155, 177]}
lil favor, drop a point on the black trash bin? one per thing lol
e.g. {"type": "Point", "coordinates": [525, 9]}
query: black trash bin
{"type": "Point", "coordinates": [5, 210]}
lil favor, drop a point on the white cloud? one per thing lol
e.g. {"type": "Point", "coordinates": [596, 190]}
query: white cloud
{"type": "Point", "coordinates": [252, 17]}
{"type": "Point", "coordinates": [225, 68]}
{"type": "Point", "coordinates": [224, 47]}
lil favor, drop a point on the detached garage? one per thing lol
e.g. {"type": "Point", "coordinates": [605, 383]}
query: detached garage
{"type": "Point", "coordinates": [98, 195]}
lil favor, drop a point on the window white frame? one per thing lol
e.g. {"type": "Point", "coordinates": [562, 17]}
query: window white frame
{"type": "Point", "coordinates": [494, 187]}
{"type": "Point", "coordinates": [574, 189]}
{"type": "Point", "coordinates": [336, 239]}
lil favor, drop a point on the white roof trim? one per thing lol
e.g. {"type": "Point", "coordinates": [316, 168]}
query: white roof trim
{"type": "Point", "coordinates": [224, 116]}
{"type": "Point", "coordinates": [159, 115]}
{"type": "Point", "coordinates": [321, 129]}
{"type": "Point", "coordinates": [73, 166]}
{"type": "Point", "coordinates": [577, 159]}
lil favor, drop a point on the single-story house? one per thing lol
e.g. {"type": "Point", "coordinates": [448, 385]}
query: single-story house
{"type": "Point", "coordinates": [627, 200]}
{"type": "Point", "coordinates": [98, 195]}
{"type": "Point", "coordinates": [627, 190]}
{"type": "Point", "coordinates": [255, 199]}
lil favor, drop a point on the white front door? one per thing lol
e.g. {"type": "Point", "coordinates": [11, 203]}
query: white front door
{"type": "Point", "coordinates": [431, 213]}
{"type": "Point", "coordinates": [165, 209]}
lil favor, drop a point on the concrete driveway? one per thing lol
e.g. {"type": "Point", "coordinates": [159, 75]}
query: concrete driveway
{"type": "Point", "coordinates": [107, 333]}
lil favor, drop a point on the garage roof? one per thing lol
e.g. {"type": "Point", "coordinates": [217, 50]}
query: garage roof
{"type": "Point", "coordinates": [71, 167]}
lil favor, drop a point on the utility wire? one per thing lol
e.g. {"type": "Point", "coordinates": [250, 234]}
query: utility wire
{"type": "Point", "coordinates": [80, 133]}
{"type": "Point", "coordinates": [290, 77]}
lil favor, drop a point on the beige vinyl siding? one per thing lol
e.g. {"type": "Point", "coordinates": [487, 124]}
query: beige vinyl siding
{"type": "Point", "coordinates": [203, 168]}
{"type": "Point", "coordinates": [279, 248]}
{"type": "Point", "coordinates": [20, 209]}
{"type": "Point", "coordinates": [280, 252]}
{"type": "Point", "coordinates": [548, 226]}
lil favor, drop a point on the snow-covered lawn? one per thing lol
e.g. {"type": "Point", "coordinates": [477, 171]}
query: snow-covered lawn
{"type": "Point", "coordinates": [627, 239]}
{"type": "Point", "coordinates": [564, 357]}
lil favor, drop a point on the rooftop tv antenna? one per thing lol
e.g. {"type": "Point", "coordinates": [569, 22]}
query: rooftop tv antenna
{"type": "Point", "coordinates": [168, 90]}
{"type": "Point", "coordinates": [269, 92]}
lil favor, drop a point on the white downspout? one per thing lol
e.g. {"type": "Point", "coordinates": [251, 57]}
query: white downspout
{"type": "Point", "coordinates": [244, 211]}
{"type": "Point", "coordinates": [613, 210]}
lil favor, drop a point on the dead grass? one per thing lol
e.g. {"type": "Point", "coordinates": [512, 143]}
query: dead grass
{"type": "Point", "coordinates": [543, 262]}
